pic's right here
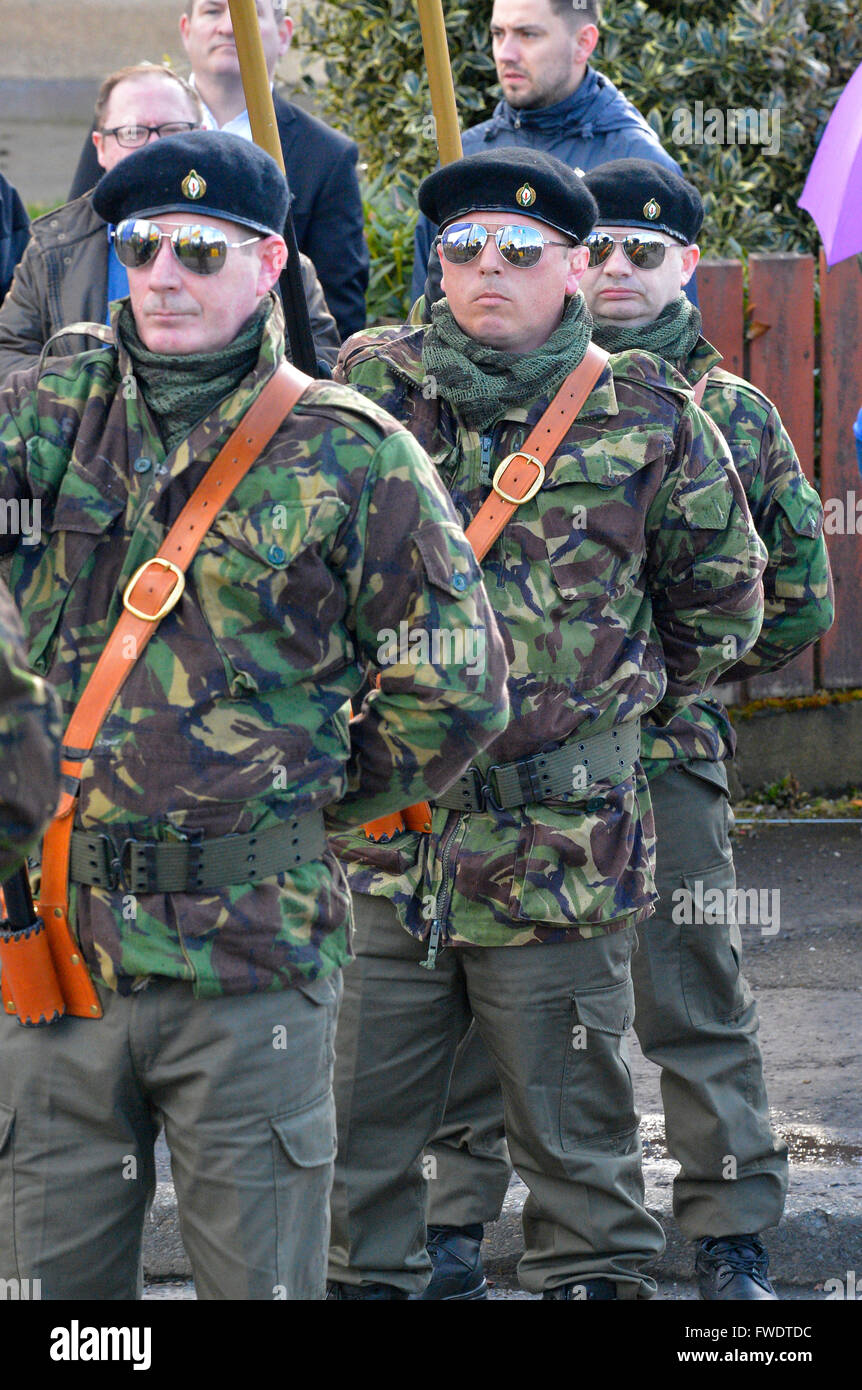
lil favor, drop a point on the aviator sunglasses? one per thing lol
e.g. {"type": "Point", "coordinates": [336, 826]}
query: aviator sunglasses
{"type": "Point", "coordinates": [645, 255]}
{"type": "Point", "coordinates": [203, 250]}
{"type": "Point", "coordinates": [462, 242]}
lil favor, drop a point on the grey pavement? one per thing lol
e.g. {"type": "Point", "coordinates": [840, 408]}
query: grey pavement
{"type": "Point", "coordinates": [806, 976]}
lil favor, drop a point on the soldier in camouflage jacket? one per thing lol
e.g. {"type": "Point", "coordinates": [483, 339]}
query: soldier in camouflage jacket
{"type": "Point", "coordinates": [29, 745]}
{"type": "Point", "coordinates": [219, 1003]}
{"type": "Point", "coordinates": [694, 1013]}
{"type": "Point", "coordinates": [696, 1016]}
{"type": "Point", "coordinates": [621, 588]}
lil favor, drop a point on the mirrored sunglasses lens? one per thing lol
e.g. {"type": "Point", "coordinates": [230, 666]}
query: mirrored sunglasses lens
{"type": "Point", "coordinates": [136, 242]}
{"type": "Point", "coordinates": [202, 250]}
{"type": "Point", "coordinates": [601, 249]}
{"type": "Point", "coordinates": [646, 255]}
{"type": "Point", "coordinates": [462, 242]}
{"type": "Point", "coordinates": [521, 246]}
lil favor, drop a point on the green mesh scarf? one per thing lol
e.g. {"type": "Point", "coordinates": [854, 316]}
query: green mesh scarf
{"type": "Point", "coordinates": [481, 383]}
{"type": "Point", "coordinates": [180, 389]}
{"type": "Point", "coordinates": [673, 335]}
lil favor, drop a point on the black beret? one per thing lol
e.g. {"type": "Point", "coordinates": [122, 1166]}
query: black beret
{"type": "Point", "coordinates": [511, 179]}
{"type": "Point", "coordinates": [641, 193]}
{"type": "Point", "coordinates": [206, 172]}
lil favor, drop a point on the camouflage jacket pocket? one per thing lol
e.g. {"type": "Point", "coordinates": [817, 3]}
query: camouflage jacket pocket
{"type": "Point", "coordinates": [46, 577]}
{"type": "Point", "coordinates": [801, 566]}
{"type": "Point", "coordinates": [705, 506]}
{"type": "Point", "coordinates": [584, 867]}
{"type": "Point", "coordinates": [590, 515]}
{"type": "Point", "coordinates": [393, 870]}
{"type": "Point", "coordinates": [269, 598]}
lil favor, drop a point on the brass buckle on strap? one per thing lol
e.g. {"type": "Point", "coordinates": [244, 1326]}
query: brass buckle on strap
{"type": "Point", "coordinates": [534, 487]}
{"type": "Point", "coordinates": [172, 599]}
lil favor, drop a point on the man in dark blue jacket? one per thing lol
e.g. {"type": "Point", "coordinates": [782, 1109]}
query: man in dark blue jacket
{"type": "Point", "coordinates": [14, 233]}
{"type": "Point", "coordinates": [552, 99]}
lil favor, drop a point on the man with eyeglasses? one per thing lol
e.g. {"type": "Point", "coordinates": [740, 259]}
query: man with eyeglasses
{"type": "Point", "coordinates": [68, 275]}
{"type": "Point", "coordinates": [210, 911]}
{"type": "Point", "coordinates": [320, 161]}
{"type": "Point", "coordinates": [617, 578]}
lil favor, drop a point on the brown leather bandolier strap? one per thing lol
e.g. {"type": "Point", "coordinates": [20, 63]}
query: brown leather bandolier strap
{"type": "Point", "coordinates": [521, 475]}
{"type": "Point", "coordinates": [154, 589]}
{"type": "Point", "coordinates": [518, 478]}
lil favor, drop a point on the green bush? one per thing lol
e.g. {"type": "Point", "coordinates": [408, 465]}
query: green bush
{"type": "Point", "coordinates": [776, 56]}
{"type": "Point", "coordinates": [390, 217]}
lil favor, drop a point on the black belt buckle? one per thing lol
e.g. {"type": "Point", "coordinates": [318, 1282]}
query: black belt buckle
{"type": "Point", "coordinates": [488, 796]}
{"type": "Point", "coordinates": [115, 873]}
{"type": "Point", "coordinates": [133, 878]}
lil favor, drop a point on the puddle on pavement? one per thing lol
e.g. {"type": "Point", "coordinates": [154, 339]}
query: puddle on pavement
{"type": "Point", "coordinates": [805, 1146]}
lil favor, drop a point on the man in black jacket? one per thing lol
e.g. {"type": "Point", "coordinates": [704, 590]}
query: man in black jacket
{"type": "Point", "coordinates": [552, 99]}
{"type": "Point", "coordinates": [320, 162]}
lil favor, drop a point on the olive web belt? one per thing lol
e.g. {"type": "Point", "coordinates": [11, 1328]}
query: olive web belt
{"type": "Point", "coordinates": [577, 766]}
{"type": "Point", "coordinates": [194, 866]}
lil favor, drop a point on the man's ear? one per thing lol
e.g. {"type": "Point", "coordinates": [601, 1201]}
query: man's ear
{"type": "Point", "coordinates": [97, 141]}
{"type": "Point", "coordinates": [689, 259]}
{"type": "Point", "coordinates": [587, 38]}
{"type": "Point", "coordinates": [285, 34]}
{"type": "Point", "coordinates": [184, 29]}
{"type": "Point", "coordinates": [272, 252]}
{"type": "Point", "coordinates": [579, 260]}
{"type": "Point", "coordinates": [443, 263]}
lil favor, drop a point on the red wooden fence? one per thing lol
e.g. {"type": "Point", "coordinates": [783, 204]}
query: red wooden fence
{"type": "Point", "coordinates": [776, 349]}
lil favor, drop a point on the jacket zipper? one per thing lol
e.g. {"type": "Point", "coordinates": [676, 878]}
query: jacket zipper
{"type": "Point", "coordinates": [486, 441]}
{"type": "Point", "coordinates": [441, 904]}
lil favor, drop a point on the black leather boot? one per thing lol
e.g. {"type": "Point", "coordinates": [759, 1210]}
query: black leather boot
{"type": "Point", "coordinates": [733, 1267]}
{"type": "Point", "coordinates": [456, 1256]}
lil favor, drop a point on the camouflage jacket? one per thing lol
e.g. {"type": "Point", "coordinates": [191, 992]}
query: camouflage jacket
{"type": "Point", "coordinates": [622, 581]}
{"type": "Point", "coordinates": [797, 583]}
{"type": "Point", "coordinates": [29, 745]}
{"type": "Point", "coordinates": [236, 716]}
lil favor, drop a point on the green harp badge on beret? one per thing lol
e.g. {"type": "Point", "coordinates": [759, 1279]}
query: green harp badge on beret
{"type": "Point", "coordinates": [193, 185]}
{"type": "Point", "coordinates": [651, 209]}
{"type": "Point", "coordinates": [525, 196]}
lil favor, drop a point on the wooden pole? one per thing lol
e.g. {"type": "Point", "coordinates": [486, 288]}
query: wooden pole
{"type": "Point", "coordinates": [440, 79]}
{"type": "Point", "coordinates": [264, 129]}
{"type": "Point", "coordinates": [255, 78]}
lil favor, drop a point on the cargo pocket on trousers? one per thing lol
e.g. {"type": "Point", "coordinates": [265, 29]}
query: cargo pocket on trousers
{"type": "Point", "coordinates": [303, 1156]}
{"type": "Point", "coordinates": [710, 946]}
{"type": "Point", "coordinates": [597, 1103]}
{"type": "Point", "coordinates": [8, 1261]}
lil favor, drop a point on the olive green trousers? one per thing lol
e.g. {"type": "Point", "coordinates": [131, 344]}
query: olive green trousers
{"type": "Point", "coordinates": [553, 1020]}
{"type": "Point", "coordinates": [694, 1017]}
{"type": "Point", "coordinates": [242, 1086]}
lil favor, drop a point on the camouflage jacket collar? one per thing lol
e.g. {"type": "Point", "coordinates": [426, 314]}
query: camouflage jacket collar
{"type": "Point", "coordinates": [702, 358]}
{"type": "Point", "coordinates": [271, 348]}
{"type": "Point", "coordinates": [205, 438]}
{"type": "Point", "coordinates": [401, 350]}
